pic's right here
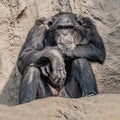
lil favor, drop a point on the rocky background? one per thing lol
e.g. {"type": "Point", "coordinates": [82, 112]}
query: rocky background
{"type": "Point", "coordinates": [18, 16]}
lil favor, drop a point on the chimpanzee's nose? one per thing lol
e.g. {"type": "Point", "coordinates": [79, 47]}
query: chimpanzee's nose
{"type": "Point", "coordinates": [64, 32]}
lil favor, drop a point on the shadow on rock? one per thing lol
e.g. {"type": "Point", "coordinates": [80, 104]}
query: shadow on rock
{"type": "Point", "coordinates": [10, 93]}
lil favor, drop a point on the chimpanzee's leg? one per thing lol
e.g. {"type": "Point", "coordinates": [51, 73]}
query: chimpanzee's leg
{"type": "Point", "coordinates": [82, 80]}
{"type": "Point", "coordinates": [32, 85]}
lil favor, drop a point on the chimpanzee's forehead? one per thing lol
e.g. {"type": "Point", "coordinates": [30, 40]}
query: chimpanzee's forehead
{"type": "Point", "coordinates": [66, 19]}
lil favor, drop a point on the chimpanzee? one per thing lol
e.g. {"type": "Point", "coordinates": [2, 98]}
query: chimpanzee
{"type": "Point", "coordinates": [56, 57]}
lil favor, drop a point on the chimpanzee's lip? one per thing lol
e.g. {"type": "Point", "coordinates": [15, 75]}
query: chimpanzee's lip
{"type": "Point", "coordinates": [65, 43]}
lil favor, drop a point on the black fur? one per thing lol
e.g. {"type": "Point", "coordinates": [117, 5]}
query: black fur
{"type": "Point", "coordinates": [45, 67]}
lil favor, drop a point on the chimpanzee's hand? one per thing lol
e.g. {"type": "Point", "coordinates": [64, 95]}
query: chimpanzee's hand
{"type": "Point", "coordinates": [46, 70]}
{"type": "Point", "coordinates": [87, 23]}
{"type": "Point", "coordinates": [55, 68]}
{"type": "Point", "coordinates": [58, 74]}
{"type": "Point", "coordinates": [67, 54]}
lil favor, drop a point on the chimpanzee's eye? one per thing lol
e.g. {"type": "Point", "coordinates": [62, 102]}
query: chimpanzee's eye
{"type": "Point", "coordinates": [69, 27]}
{"type": "Point", "coordinates": [65, 27]}
{"type": "Point", "coordinates": [60, 27]}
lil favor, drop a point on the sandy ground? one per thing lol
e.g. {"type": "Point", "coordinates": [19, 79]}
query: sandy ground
{"type": "Point", "coordinates": [100, 107]}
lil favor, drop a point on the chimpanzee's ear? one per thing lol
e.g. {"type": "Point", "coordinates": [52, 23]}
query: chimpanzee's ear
{"type": "Point", "coordinates": [52, 21]}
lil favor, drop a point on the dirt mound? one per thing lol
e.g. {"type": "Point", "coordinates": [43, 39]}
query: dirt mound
{"type": "Point", "coordinates": [100, 107]}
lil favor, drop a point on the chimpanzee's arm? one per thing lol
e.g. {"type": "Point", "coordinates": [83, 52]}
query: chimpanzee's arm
{"type": "Point", "coordinates": [94, 50]}
{"type": "Point", "coordinates": [34, 52]}
{"type": "Point", "coordinates": [32, 45]}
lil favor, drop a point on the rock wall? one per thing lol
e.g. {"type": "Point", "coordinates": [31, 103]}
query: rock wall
{"type": "Point", "coordinates": [18, 16]}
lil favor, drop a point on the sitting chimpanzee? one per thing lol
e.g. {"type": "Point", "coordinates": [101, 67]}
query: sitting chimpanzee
{"type": "Point", "coordinates": [56, 58]}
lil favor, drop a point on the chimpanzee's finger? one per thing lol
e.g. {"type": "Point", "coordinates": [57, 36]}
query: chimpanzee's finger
{"type": "Point", "coordinates": [47, 68]}
{"type": "Point", "coordinates": [44, 71]}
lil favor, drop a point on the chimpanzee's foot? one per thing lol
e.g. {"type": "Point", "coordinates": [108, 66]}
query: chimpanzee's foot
{"type": "Point", "coordinates": [63, 93]}
{"type": "Point", "coordinates": [54, 91]}
{"type": "Point", "coordinates": [90, 94]}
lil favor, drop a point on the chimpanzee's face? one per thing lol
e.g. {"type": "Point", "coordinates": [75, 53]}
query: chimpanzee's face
{"type": "Point", "coordinates": [66, 34]}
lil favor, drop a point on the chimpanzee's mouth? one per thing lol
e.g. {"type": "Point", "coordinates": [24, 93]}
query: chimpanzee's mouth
{"type": "Point", "coordinates": [65, 44]}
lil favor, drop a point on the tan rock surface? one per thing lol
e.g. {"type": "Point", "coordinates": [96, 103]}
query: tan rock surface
{"type": "Point", "coordinates": [100, 107]}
